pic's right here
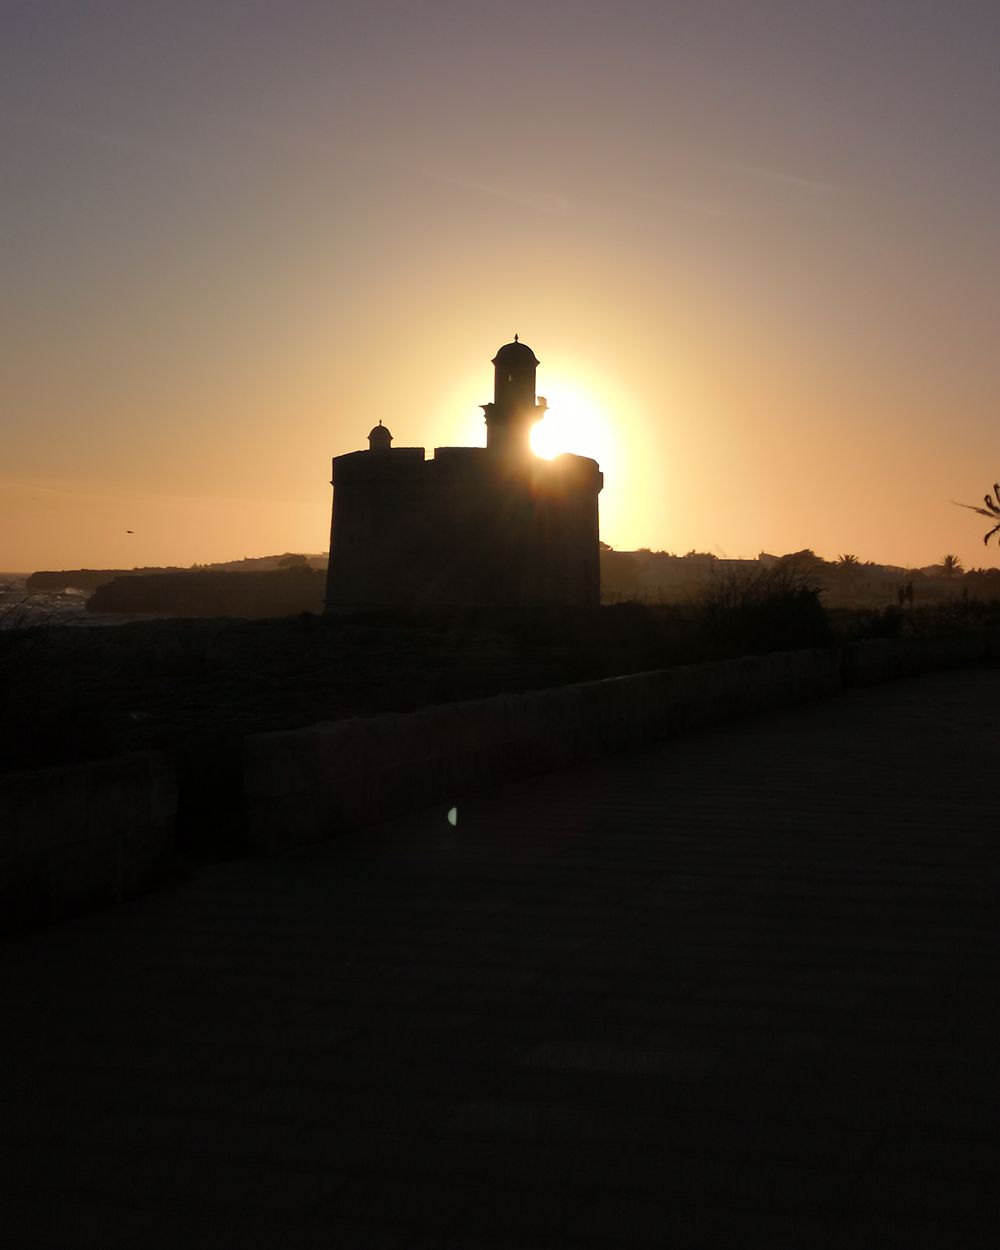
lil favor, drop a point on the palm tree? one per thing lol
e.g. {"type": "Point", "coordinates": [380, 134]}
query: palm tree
{"type": "Point", "coordinates": [950, 565]}
{"type": "Point", "coordinates": [992, 510]}
{"type": "Point", "coordinates": [848, 561]}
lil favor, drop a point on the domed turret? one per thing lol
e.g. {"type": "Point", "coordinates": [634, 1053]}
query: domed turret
{"type": "Point", "coordinates": [514, 410]}
{"type": "Point", "coordinates": [380, 439]}
{"type": "Point", "coordinates": [516, 355]}
{"type": "Point", "coordinates": [514, 368]}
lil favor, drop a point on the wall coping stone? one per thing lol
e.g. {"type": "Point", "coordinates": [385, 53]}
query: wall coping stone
{"type": "Point", "coordinates": [75, 837]}
{"type": "Point", "coordinates": [304, 785]}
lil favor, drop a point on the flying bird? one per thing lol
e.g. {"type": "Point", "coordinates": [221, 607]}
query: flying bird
{"type": "Point", "coordinates": [992, 510]}
{"type": "Point", "coordinates": [130, 531]}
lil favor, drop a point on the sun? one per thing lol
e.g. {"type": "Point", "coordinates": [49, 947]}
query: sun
{"type": "Point", "coordinates": [574, 422]}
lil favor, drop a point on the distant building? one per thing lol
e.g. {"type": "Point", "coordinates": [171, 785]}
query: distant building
{"type": "Point", "coordinates": [491, 525]}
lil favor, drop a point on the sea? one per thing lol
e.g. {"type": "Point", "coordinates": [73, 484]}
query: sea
{"type": "Point", "coordinates": [21, 608]}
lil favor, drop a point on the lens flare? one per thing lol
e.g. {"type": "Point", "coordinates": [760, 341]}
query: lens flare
{"type": "Point", "coordinates": [573, 422]}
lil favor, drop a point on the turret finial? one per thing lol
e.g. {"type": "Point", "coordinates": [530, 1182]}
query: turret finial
{"type": "Point", "coordinates": [515, 338]}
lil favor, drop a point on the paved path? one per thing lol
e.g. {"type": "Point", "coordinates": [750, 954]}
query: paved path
{"type": "Point", "coordinates": [740, 987]}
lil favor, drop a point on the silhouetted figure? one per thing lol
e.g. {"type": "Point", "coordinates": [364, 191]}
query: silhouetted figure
{"type": "Point", "coordinates": [901, 594]}
{"type": "Point", "coordinates": [909, 593]}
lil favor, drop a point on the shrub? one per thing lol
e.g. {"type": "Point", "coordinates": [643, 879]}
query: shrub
{"type": "Point", "coordinates": [769, 609]}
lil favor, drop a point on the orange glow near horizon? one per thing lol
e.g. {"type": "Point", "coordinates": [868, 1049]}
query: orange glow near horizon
{"type": "Point", "coordinates": [765, 306]}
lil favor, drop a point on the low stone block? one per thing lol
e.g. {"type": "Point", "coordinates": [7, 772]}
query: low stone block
{"type": "Point", "coordinates": [146, 858]}
{"type": "Point", "coordinates": [42, 809]}
{"type": "Point", "coordinates": [84, 875]}
{"type": "Point", "coordinates": [281, 763]}
{"type": "Point", "coordinates": [118, 795]}
{"type": "Point", "coordinates": [24, 891]}
{"type": "Point", "coordinates": [287, 820]}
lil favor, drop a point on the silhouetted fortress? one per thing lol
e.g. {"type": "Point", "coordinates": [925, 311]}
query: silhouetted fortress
{"type": "Point", "coordinates": [491, 525]}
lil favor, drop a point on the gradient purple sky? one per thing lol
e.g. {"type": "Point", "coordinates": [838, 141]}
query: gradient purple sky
{"type": "Point", "coordinates": [754, 245]}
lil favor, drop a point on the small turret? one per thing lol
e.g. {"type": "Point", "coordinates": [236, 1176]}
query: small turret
{"type": "Point", "coordinates": [380, 438]}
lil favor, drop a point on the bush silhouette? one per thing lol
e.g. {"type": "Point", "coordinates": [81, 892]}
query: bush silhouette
{"type": "Point", "coordinates": [769, 609]}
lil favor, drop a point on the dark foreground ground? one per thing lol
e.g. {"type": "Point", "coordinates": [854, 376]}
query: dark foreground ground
{"type": "Point", "coordinates": [737, 989]}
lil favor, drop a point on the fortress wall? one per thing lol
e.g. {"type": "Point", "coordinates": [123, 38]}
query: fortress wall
{"type": "Point", "coordinates": [463, 529]}
{"type": "Point", "coordinates": [379, 532]}
{"type": "Point", "coordinates": [567, 532]}
{"type": "Point", "coordinates": [305, 785]}
{"type": "Point", "coordinates": [881, 659]}
{"type": "Point", "coordinates": [83, 836]}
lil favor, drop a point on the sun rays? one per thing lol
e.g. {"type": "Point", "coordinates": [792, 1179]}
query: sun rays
{"type": "Point", "coordinates": [574, 422]}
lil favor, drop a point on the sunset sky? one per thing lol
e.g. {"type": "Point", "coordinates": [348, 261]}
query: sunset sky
{"type": "Point", "coordinates": [754, 246]}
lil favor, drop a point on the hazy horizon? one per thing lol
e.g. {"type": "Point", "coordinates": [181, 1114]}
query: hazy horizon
{"type": "Point", "coordinates": [754, 248]}
{"type": "Point", "coordinates": [644, 548]}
